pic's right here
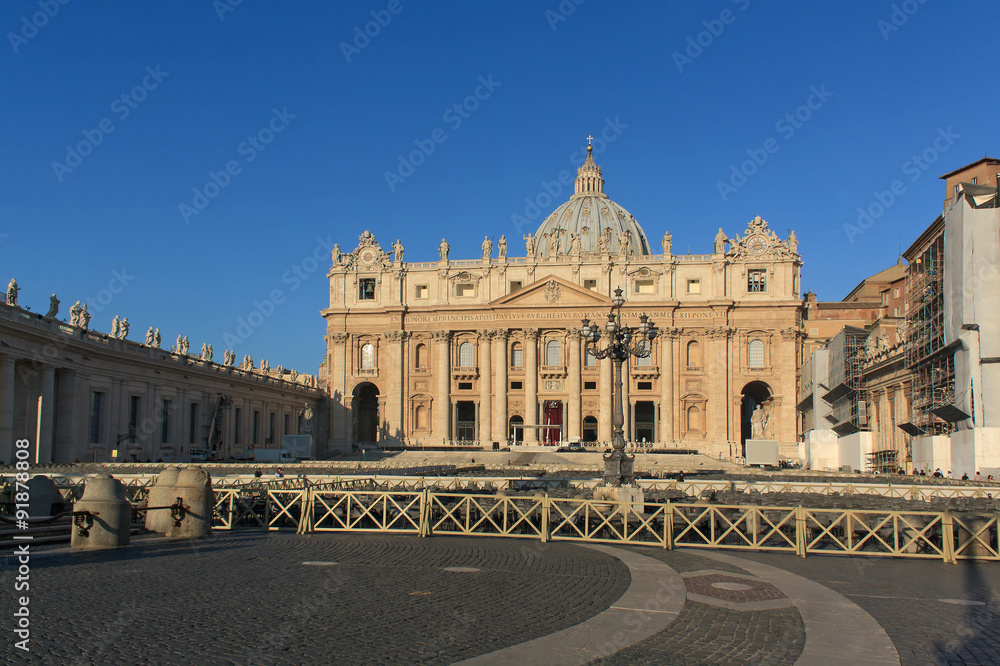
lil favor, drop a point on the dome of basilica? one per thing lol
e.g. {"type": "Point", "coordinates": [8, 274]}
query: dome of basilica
{"type": "Point", "coordinates": [590, 220]}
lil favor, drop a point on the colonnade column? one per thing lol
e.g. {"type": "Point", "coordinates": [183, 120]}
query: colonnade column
{"type": "Point", "coordinates": [46, 414]}
{"type": "Point", "coordinates": [442, 409]}
{"type": "Point", "coordinates": [500, 389]}
{"type": "Point", "coordinates": [531, 384]}
{"type": "Point", "coordinates": [7, 407]}
{"type": "Point", "coordinates": [485, 385]}
{"type": "Point", "coordinates": [575, 416]}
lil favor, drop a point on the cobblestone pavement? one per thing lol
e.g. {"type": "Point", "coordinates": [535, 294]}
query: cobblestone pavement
{"type": "Point", "coordinates": [935, 613]}
{"type": "Point", "coordinates": [261, 598]}
{"type": "Point", "coordinates": [249, 598]}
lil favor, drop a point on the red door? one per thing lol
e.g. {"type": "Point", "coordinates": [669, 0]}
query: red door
{"type": "Point", "coordinates": [553, 419]}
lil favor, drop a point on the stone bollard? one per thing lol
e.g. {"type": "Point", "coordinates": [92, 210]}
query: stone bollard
{"type": "Point", "coordinates": [194, 487]}
{"type": "Point", "coordinates": [162, 494]}
{"type": "Point", "coordinates": [44, 499]}
{"type": "Point", "coordinates": [105, 496]}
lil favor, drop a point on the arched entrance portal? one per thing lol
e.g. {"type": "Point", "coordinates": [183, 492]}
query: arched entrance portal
{"type": "Point", "coordinates": [364, 407]}
{"type": "Point", "coordinates": [589, 429]}
{"type": "Point", "coordinates": [754, 394]}
{"type": "Point", "coordinates": [515, 433]}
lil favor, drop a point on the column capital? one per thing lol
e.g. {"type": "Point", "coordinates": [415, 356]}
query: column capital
{"type": "Point", "coordinates": [441, 336]}
{"type": "Point", "coordinates": [396, 336]}
{"type": "Point", "coordinates": [531, 333]}
{"type": "Point", "coordinates": [339, 338]}
{"type": "Point", "coordinates": [573, 332]}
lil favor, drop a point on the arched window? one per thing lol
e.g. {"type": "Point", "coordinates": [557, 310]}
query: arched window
{"type": "Point", "coordinates": [755, 354]}
{"type": "Point", "coordinates": [693, 419]}
{"type": "Point", "coordinates": [421, 417]}
{"type": "Point", "coordinates": [465, 355]}
{"type": "Point", "coordinates": [421, 356]}
{"type": "Point", "coordinates": [589, 360]}
{"type": "Point", "coordinates": [516, 355]}
{"type": "Point", "coordinates": [368, 356]}
{"type": "Point", "coordinates": [645, 361]}
{"type": "Point", "coordinates": [693, 354]}
{"type": "Point", "coordinates": [553, 355]}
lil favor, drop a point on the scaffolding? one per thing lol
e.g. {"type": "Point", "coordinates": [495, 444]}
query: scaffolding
{"type": "Point", "coordinates": [847, 398]}
{"type": "Point", "coordinates": [931, 364]}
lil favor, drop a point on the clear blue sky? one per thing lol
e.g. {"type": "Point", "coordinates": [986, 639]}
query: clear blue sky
{"type": "Point", "coordinates": [683, 122]}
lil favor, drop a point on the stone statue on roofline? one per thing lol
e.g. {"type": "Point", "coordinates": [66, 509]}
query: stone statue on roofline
{"type": "Point", "coordinates": [123, 328]}
{"type": "Point", "coordinates": [12, 290]}
{"type": "Point", "coordinates": [502, 244]}
{"type": "Point", "coordinates": [667, 243]}
{"type": "Point", "coordinates": [529, 245]}
{"type": "Point", "coordinates": [84, 318]}
{"type": "Point", "coordinates": [720, 242]}
{"type": "Point", "coordinates": [487, 247]}
{"type": "Point", "coordinates": [53, 307]}
{"type": "Point", "coordinates": [149, 337]}
{"type": "Point", "coordinates": [443, 249]}
{"type": "Point", "coordinates": [156, 338]}
{"type": "Point", "coordinates": [397, 251]}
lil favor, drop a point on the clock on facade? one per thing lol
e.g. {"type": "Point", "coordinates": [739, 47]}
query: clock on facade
{"type": "Point", "coordinates": [756, 244]}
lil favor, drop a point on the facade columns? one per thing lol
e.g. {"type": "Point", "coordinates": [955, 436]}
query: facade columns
{"type": "Point", "coordinates": [340, 418]}
{"type": "Point", "coordinates": [442, 409]}
{"type": "Point", "coordinates": [485, 416]}
{"type": "Point", "coordinates": [395, 400]}
{"type": "Point", "coordinates": [7, 407]}
{"type": "Point", "coordinates": [531, 384]}
{"type": "Point", "coordinates": [500, 389]}
{"type": "Point", "coordinates": [667, 398]}
{"type": "Point", "coordinates": [626, 403]}
{"type": "Point", "coordinates": [575, 407]}
{"type": "Point", "coordinates": [604, 420]}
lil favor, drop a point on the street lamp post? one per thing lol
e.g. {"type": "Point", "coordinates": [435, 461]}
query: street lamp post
{"type": "Point", "coordinates": [622, 343]}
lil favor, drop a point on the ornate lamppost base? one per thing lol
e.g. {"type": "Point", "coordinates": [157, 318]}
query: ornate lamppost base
{"type": "Point", "coordinates": [619, 468]}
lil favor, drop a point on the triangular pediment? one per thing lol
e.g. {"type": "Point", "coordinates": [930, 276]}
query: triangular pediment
{"type": "Point", "coordinates": [551, 291]}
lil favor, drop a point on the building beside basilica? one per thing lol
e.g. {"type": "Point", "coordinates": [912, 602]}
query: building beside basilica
{"type": "Point", "coordinates": [488, 349]}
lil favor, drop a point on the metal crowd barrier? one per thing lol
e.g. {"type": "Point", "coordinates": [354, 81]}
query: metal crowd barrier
{"type": "Point", "coordinates": [946, 535]}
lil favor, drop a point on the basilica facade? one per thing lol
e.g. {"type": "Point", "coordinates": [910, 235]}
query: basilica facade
{"type": "Point", "coordinates": [488, 349]}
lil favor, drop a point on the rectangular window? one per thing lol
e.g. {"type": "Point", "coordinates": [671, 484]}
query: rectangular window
{"type": "Point", "coordinates": [897, 292]}
{"type": "Point", "coordinates": [645, 386]}
{"type": "Point", "coordinates": [193, 427]}
{"type": "Point", "coordinates": [975, 180]}
{"type": "Point", "coordinates": [756, 281]}
{"type": "Point", "coordinates": [590, 386]}
{"type": "Point", "coordinates": [237, 420]}
{"type": "Point", "coordinates": [288, 424]}
{"type": "Point", "coordinates": [366, 289]}
{"type": "Point", "coordinates": [644, 287]}
{"type": "Point", "coordinates": [463, 290]}
{"type": "Point", "coordinates": [516, 386]}
{"type": "Point", "coordinates": [895, 312]}
{"type": "Point", "coordinates": [465, 386]}
{"type": "Point", "coordinates": [165, 422]}
{"type": "Point", "coordinates": [517, 358]}
{"type": "Point", "coordinates": [133, 416]}
{"type": "Point", "coordinates": [589, 360]}
{"type": "Point", "coordinates": [694, 286]}
{"type": "Point", "coordinates": [256, 427]}
{"type": "Point", "coordinates": [590, 284]}
{"type": "Point", "coordinates": [421, 291]}
{"type": "Point", "coordinates": [515, 285]}
{"type": "Point", "coordinates": [270, 429]}
{"type": "Point", "coordinates": [95, 417]}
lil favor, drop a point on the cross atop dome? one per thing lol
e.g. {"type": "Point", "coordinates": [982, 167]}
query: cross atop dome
{"type": "Point", "coordinates": [588, 176]}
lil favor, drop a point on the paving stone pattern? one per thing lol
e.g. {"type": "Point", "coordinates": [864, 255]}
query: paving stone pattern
{"type": "Point", "coordinates": [704, 634]}
{"type": "Point", "coordinates": [904, 596]}
{"type": "Point", "coordinates": [247, 598]}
